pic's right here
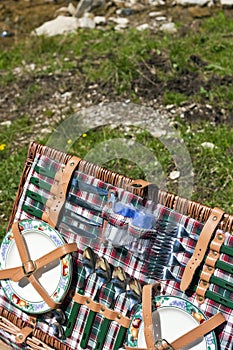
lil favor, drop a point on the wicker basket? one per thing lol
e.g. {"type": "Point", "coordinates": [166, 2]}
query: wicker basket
{"type": "Point", "coordinates": [191, 209]}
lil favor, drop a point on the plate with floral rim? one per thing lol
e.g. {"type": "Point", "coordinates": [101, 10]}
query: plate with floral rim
{"type": "Point", "coordinates": [55, 277]}
{"type": "Point", "coordinates": [177, 316]}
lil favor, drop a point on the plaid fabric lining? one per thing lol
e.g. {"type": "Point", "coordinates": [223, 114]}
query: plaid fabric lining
{"type": "Point", "coordinates": [136, 258]}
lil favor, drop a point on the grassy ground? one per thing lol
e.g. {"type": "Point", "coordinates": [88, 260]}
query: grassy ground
{"type": "Point", "coordinates": [114, 61]}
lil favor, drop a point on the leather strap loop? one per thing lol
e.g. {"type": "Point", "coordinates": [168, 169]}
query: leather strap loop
{"type": "Point", "coordinates": [102, 309]}
{"type": "Point", "coordinates": [58, 190]}
{"type": "Point", "coordinates": [201, 247]}
{"type": "Point", "coordinates": [208, 268]}
{"type": "Point", "coordinates": [23, 334]}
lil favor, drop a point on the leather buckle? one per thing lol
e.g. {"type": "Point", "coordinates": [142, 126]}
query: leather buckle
{"type": "Point", "coordinates": [29, 267]}
{"type": "Point", "coordinates": [162, 344]}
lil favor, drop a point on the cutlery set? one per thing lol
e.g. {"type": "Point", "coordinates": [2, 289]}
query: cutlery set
{"type": "Point", "coordinates": [112, 288]}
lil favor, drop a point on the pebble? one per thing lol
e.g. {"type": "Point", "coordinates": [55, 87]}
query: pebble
{"type": "Point", "coordinates": [174, 175]}
{"type": "Point", "coordinates": [86, 22]}
{"type": "Point", "coordinates": [100, 20]}
{"type": "Point", "coordinates": [143, 26]}
{"type": "Point", "coordinates": [6, 123]}
{"type": "Point", "coordinates": [208, 145]}
{"type": "Point", "coordinates": [168, 27]}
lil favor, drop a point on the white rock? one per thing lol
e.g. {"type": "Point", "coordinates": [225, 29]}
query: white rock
{"type": "Point", "coordinates": [156, 2]}
{"type": "Point", "coordinates": [192, 2]}
{"type": "Point", "coordinates": [174, 175]}
{"type": "Point", "coordinates": [155, 14]}
{"type": "Point", "coordinates": [208, 145]}
{"type": "Point", "coordinates": [86, 22]}
{"type": "Point", "coordinates": [143, 26]}
{"type": "Point", "coordinates": [168, 27]}
{"type": "Point", "coordinates": [226, 3]}
{"type": "Point", "coordinates": [69, 9]}
{"type": "Point", "coordinates": [120, 21]}
{"type": "Point", "coordinates": [161, 18]}
{"type": "Point", "coordinates": [6, 123]}
{"type": "Point", "coordinates": [59, 25]}
{"type": "Point", "coordinates": [100, 20]}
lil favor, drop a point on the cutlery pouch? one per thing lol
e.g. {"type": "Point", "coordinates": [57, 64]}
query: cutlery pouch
{"type": "Point", "coordinates": [77, 203]}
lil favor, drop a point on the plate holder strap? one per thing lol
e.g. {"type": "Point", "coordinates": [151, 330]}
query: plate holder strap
{"type": "Point", "coordinates": [29, 266]}
{"type": "Point", "coordinates": [208, 268]}
{"type": "Point", "coordinates": [183, 340]}
{"type": "Point", "coordinates": [58, 191]}
{"type": "Point", "coordinates": [201, 247]}
{"type": "Point", "coordinates": [198, 331]}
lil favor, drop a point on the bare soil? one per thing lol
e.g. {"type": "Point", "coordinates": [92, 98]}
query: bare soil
{"type": "Point", "coordinates": [62, 92]}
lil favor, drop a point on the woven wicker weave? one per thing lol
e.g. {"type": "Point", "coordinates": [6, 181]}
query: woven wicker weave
{"type": "Point", "coordinates": [184, 206]}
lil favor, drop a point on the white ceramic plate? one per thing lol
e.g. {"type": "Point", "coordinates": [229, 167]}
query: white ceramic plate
{"type": "Point", "coordinates": [55, 277]}
{"type": "Point", "coordinates": [177, 316]}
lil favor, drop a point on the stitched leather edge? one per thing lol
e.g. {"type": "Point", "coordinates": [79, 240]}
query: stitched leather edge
{"type": "Point", "coordinates": [208, 268]}
{"type": "Point", "coordinates": [58, 190]}
{"type": "Point", "coordinates": [201, 247]}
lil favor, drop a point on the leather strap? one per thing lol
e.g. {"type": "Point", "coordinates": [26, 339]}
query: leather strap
{"type": "Point", "coordinates": [23, 334]}
{"type": "Point", "coordinates": [147, 314]}
{"type": "Point", "coordinates": [208, 268]}
{"type": "Point", "coordinates": [201, 247]}
{"type": "Point", "coordinates": [198, 331]}
{"type": "Point", "coordinates": [182, 341]}
{"type": "Point", "coordinates": [102, 309]}
{"type": "Point", "coordinates": [29, 267]}
{"type": "Point", "coordinates": [17, 273]}
{"type": "Point", "coordinates": [59, 190]}
{"type": "Point", "coordinates": [139, 183]}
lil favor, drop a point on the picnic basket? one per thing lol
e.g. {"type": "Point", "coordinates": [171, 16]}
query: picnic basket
{"type": "Point", "coordinates": [84, 214]}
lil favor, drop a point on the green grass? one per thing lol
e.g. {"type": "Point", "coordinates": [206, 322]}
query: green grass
{"type": "Point", "coordinates": [114, 58]}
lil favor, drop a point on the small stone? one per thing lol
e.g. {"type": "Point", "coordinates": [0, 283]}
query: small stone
{"type": "Point", "coordinates": [168, 27]}
{"type": "Point", "coordinates": [174, 175]}
{"type": "Point", "coordinates": [120, 21]}
{"type": "Point", "coordinates": [6, 123]}
{"type": "Point", "coordinates": [161, 18]}
{"type": "Point", "coordinates": [143, 26]}
{"type": "Point", "coordinates": [100, 20]}
{"type": "Point", "coordinates": [86, 22]}
{"type": "Point", "coordinates": [155, 14]}
{"type": "Point", "coordinates": [208, 145]}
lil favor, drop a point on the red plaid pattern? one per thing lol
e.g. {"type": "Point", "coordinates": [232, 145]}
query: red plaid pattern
{"type": "Point", "coordinates": [134, 258]}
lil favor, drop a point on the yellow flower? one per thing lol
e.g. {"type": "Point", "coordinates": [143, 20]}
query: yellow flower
{"type": "Point", "coordinates": [84, 135]}
{"type": "Point", "coordinates": [2, 146]}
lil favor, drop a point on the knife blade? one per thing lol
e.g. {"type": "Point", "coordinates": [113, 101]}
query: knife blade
{"type": "Point", "coordinates": [157, 331]}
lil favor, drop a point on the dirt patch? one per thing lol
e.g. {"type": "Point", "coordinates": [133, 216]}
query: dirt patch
{"type": "Point", "coordinates": [61, 94]}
